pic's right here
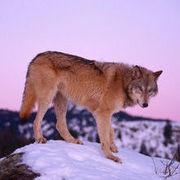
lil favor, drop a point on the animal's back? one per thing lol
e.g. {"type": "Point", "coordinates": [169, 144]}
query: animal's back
{"type": "Point", "coordinates": [79, 79]}
{"type": "Point", "coordinates": [62, 61]}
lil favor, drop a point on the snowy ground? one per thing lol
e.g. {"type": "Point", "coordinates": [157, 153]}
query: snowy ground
{"type": "Point", "coordinates": [57, 160]}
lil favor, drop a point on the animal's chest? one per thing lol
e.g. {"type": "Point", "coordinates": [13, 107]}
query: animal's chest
{"type": "Point", "coordinates": [118, 105]}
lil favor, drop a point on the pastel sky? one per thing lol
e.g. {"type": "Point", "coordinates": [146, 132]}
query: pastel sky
{"type": "Point", "coordinates": [140, 32]}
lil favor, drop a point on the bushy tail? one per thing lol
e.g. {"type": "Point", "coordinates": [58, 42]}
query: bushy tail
{"type": "Point", "coordinates": [27, 102]}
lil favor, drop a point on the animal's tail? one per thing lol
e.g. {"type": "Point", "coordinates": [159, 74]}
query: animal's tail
{"type": "Point", "coordinates": [28, 101]}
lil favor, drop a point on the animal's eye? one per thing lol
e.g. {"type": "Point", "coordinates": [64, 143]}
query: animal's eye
{"type": "Point", "coordinates": [150, 90]}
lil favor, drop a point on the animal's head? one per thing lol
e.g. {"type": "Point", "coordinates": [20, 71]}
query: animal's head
{"type": "Point", "coordinates": [143, 85]}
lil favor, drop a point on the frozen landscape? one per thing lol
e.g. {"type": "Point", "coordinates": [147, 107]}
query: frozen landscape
{"type": "Point", "coordinates": [59, 160]}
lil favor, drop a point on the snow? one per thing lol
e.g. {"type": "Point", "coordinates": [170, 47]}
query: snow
{"type": "Point", "coordinates": [57, 160]}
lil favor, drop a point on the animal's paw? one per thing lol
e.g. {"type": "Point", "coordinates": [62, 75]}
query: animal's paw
{"type": "Point", "coordinates": [76, 141]}
{"type": "Point", "coordinates": [114, 158]}
{"type": "Point", "coordinates": [114, 148]}
{"type": "Point", "coordinates": [41, 140]}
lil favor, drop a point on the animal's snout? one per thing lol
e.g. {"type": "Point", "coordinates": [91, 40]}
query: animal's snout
{"type": "Point", "coordinates": [145, 105]}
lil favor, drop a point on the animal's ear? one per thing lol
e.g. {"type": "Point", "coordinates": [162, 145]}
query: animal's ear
{"type": "Point", "coordinates": [136, 72]}
{"type": "Point", "coordinates": [157, 74]}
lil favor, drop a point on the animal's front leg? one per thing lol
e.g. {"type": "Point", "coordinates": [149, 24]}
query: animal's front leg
{"type": "Point", "coordinates": [112, 144]}
{"type": "Point", "coordinates": [104, 129]}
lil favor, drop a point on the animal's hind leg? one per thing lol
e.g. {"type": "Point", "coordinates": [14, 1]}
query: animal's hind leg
{"type": "Point", "coordinates": [43, 102]}
{"type": "Point", "coordinates": [60, 105]}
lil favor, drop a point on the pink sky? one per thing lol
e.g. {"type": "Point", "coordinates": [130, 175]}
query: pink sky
{"type": "Point", "coordinates": [139, 32]}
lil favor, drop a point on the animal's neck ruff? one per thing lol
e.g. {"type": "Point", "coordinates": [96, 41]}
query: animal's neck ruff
{"type": "Point", "coordinates": [128, 100]}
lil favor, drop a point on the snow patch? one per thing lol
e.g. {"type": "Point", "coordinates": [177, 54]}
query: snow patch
{"type": "Point", "coordinates": [61, 160]}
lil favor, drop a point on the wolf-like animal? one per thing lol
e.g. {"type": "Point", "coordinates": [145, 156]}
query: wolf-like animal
{"type": "Point", "coordinates": [103, 88]}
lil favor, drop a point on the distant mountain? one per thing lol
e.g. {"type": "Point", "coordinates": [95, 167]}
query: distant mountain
{"type": "Point", "coordinates": [155, 137]}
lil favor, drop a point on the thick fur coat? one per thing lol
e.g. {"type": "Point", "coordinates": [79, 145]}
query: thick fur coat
{"type": "Point", "coordinates": [102, 88]}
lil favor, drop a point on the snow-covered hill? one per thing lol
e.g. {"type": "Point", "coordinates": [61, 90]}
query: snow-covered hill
{"type": "Point", "coordinates": [57, 160]}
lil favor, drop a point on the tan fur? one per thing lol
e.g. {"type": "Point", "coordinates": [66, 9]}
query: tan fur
{"type": "Point", "coordinates": [102, 88]}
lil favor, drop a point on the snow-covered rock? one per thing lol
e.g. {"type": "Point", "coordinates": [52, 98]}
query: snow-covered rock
{"type": "Point", "coordinates": [58, 160]}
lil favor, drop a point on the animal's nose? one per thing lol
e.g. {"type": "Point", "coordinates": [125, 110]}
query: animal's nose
{"type": "Point", "coordinates": [145, 105]}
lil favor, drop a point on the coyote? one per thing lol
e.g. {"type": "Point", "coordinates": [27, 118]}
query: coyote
{"type": "Point", "coordinates": [103, 88]}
